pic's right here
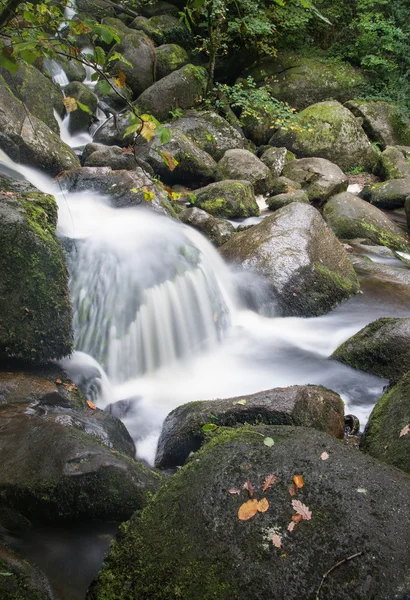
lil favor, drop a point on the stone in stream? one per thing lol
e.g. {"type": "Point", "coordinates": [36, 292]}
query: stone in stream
{"type": "Point", "coordinates": [242, 164]}
{"type": "Point", "coordinates": [230, 198]}
{"type": "Point", "coordinates": [308, 406]}
{"type": "Point", "coordinates": [189, 542]}
{"type": "Point", "coordinates": [281, 200]}
{"type": "Point", "coordinates": [19, 580]}
{"type": "Point", "coordinates": [99, 155]}
{"type": "Point", "coordinates": [388, 194]}
{"type": "Point", "coordinates": [218, 231]}
{"type": "Point", "coordinates": [306, 267]}
{"type": "Point", "coordinates": [318, 177]}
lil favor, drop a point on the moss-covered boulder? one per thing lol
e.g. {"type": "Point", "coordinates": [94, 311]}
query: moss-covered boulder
{"type": "Point", "coordinates": [384, 122]}
{"type": "Point", "coordinates": [35, 309]}
{"type": "Point", "coordinates": [218, 231]}
{"type": "Point", "coordinates": [306, 406]}
{"type": "Point", "coordinates": [139, 50]}
{"type": "Point", "coordinates": [306, 268]}
{"type": "Point", "coordinates": [189, 542]}
{"type": "Point", "coordinates": [283, 185]}
{"type": "Point", "coordinates": [230, 198]}
{"type": "Point", "coordinates": [318, 177]}
{"type": "Point", "coordinates": [81, 118]}
{"type": "Point", "coordinates": [19, 580]}
{"type": "Point", "coordinates": [381, 348]}
{"type": "Point", "coordinates": [393, 164]}
{"type": "Point", "coordinates": [275, 159]}
{"type": "Point", "coordinates": [170, 57]}
{"type": "Point", "coordinates": [281, 200]}
{"type": "Point", "coordinates": [164, 29]}
{"type": "Point", "coordinates": [386, 436]}
{"type": "Point", "coordinates": [112, 131]}
{"type": "Point", "coordinates": [159, 7]}
{"type": "Point", "coordinates": [28, 139]}
{"type": "Point", "coordinates": [388, 194]}
{"type": "Point", "coordinates": [351, 217]}
{"type": "Point", "coordinates": [182, 89]}
{"type": "Point", "coordinates": [242, 164]}
{"type": "Point", "coordinates": [209, 131]}
{"type": "Point", "coordinates": [328, 130]}
{"type": "Point", "coordinates": [99, 155]}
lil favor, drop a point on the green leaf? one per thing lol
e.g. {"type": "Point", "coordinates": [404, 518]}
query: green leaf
{"type": "Point", "coordinates": [268, 441]}
{"type": "Point", "coordinates": [163, 134]}
{"type": "Point", "coordinates": [119, 56]}
{"type": "Point", "coordinates": [6, 574]}
{"type": "Point", "coordinates": [99, 56]}
{"type": "Point", "coordinates": [132, 129]}
{"type": "Point", "coordinates": [94, 77]}
{"type": "Point", "coordinates": [28, 56]}
{"type": "Point", "coordinates": [8, 62]}
{"type": "Point", "coordinates": [84, 107]}
{"type": "Point", "coordinates": [209, 427]}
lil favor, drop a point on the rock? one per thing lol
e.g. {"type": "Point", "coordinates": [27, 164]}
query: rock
{"type": "Point", "coordinates": [118, 27]}
{"type": "Point", "coordinates": [217, 231]}
{"type": "Point", "coordinates": [138, 49]}
{"type": "Point", "coordinates": [318, 177]}
{"type": "Point", "coordinates": [190, 539]}
{"type": "Point", "coordinates": [364, 266]}
{"type": "Point", "coordinates": [283, 185]}
{"type": "Point", "coordinates": [407, 209]}
{"type": "Point", "coordinates": [164, 29]}
{"type": "Point", "coordinates": [194, 166]}
{"type": "Point", "coordinates": [281, 200]}
{"type": "Point", "coordinates": [22, 581]}
{"type": "Point", "coordinates": [38, 93]}
{"type": "Point", "coordinates": [328, 130]}
{"type": "Point", "coordinates": [112, 131]}
{"type": "Point", "coordinates": [381, 348]}
{"type": "Point", "coordinates": [242, 164]}
{"type": "Point", "coordinates": [35, 309]}
{"type": "Point", "coordinates": [351, 217]}
{"type": "Point", "coordinates": [170, 57]}
{"type": "Point", "coordinates": [388, 194]}
{"type": "Point", "coordinates": [97, 9]}
{"type": "Point", "coordinates": [125, 188]}
{"type": "Point", "coordinates": [393, 164]}
{"type": "Point", "coordinates": [384, 122]}
{"type": "Point", "coordinates": [383, 436]}
{"type": "Point", "coordinates": [307, 406]}
{"type": "Point", "coordinates": [80, 120]}
{"type": "Point", "coordinates": [180, 89]}
{"type": "Point", "coordinates": [74, 70]}
{"type": "Point", "coordinates": [307, 269]}
{"type": "Point", "coordinates": [230, 199]}
{"type": "Point", "coordinates": [159, 7]}
{"type": "Point", "coordinates": [210, 132]}
{"type": "Point", "coordinates": [37, 145]}
{"type": "Point", "coordinates": [99, 155]}
{"type": "Point", "coordinates": [111, 98]}
{"type": "Point", "coordinates": [275, 159]}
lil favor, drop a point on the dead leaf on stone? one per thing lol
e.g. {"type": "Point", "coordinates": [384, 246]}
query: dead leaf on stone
{"type": "Point", "coordinates": [296, 518]}
{"type": "Point", "coordinates": [276, 540]}
{"type": "Point", "coordinates": [302, 509]}
{"type": "Point", "coordinates": [263, 505]}
{"type": "Point", "coordinates": [405, 431]}
{"type": "Point", "coordinates": [248, 510]}
{"type": "Point", "coordinates": [293, 490]}
{"type": "Point", "coordinates": [269, 481]}
{"type": "Point", "coordinates": [291, 526]}
{"type": "Point", "coordinates": [58, 381]}
{"type": "Point", "coordinates": [91, 405]}
{"type": "Point", "coordinates": [324, 456]}
{"type": "Point", "coordinates": [70, 103]}
{"type": "Point", "coordinates": [298, 481]}
{"type": "Point", "coordinates": [249, 488]}
{"type": "Point", "coordinates": [234, 491]}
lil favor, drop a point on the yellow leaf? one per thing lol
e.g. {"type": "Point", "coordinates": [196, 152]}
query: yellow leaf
{"type": "Point", "coordinates": [91, 405]}
{"type": "Point", "coordinates": [262, 505]}
{"type": "Point", "coordinates": [148, 130]}
{"type": "Point", "coordinates": [70, 103]}
{"type": "Point", "coordinates": [298, 480]}
{"type": "Point", "coordinates": [120, 80]}
{"type": "Point", "coordinates": [248, 510]}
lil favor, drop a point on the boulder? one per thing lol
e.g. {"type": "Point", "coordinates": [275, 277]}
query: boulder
{"type": "Point", "coordinates": [97, 9]}
{"type": "Point", "coordinates": [99, 155]}
{"type": "Point", "coordinates": [283, 185]}
{"type": "Point", "coordinates": [170, 57]}
{"type": "Point", "coordinates": [180, 89]}
{"type": "Point", "coordinates": [159, 7]}
{"type": "Point", "coordinates": [318, 177]}
{"type": "Point", "coordinates": [111, 98]}
{"type": "Point", "coordinates": [125, 188]}
{"type": "Point", "coordinates": [281, 200]}
{"type": "Point", "coordinates": [307, 406]}
{"type": "Point", "coordinates": [35, 309]}
{"type": "Point", "coordinates": [242, 164]}
{"type": "Point", "coordinates": [351, 217]}
{"type": "Point", "coordinates": [210, 132]}
{"type": "Point", "coordinates": [112, 131]}
{"type": "Point", "coordinates": [386, 436]}
{"type": "Point", "coordinates": [81, 118]}
{"type": "Point", "coordinates": [388, 194]}
{"type": "Point", "coordinates": [190, 538]}
{"type": "Point", "coordinates": [328, 130]}
{"type": "Point", "coordinates": [306, 267]}
{"type": "Point", "coordinates": [393, 164]}
{"type": "Point", "coordinates": [217, 231]}
{"type": "Point", "coordinates": [383, 122]}
{"type": "Point", "coordinates": [230, 199]}
{"type": "Point", "coordinates": [29, 140]}
{"type": "Point", "coordinates": [138, 50]}
{"type": "Point", "coordinates": [20, 580]}
{"type": "Point", "coordinates": [392, 276]}
{"type": "Point", "coordinates": [381, 348]}
{"type": "Point", "coordinates": [164, 29]}
{"type": "Point", "coordinates": [275, 159]}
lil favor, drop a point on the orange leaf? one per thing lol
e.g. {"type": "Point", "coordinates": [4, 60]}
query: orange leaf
{"type": "Point", "coordinates": [58, 381]}
{"type": "Point", "coordinates": [292, 490]}
{"type": "Point", "coordinates": [297, 518]}
{"type": "Point", "coordinates": [262, 505]}
{"type": "Point", "coordinates": [248, 510]}
{"type": "Point", "coordinates": [169, 160]}
{"type": "Point", "coordinates": [298, 481]}
{"type": "Point", "coordinates": [120, 80]}
{"type": "Point", "coordinates": [91, 405]}
{"type": "Point", "coordinates": [270, 479]}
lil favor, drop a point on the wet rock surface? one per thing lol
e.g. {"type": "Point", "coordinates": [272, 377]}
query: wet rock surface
{"type": "Point", "coordinates": [230, 198]}
{"type": "Point", "coordinates": [388, 194]}
{"type": "Point", "coordinates": [242, 164]}
{"type": "Point", "coordinates": [20, 580]}
{"type": "Point", "coordinates": [218, 231]}
{"type": "Point", "coordinates": [318, 177]}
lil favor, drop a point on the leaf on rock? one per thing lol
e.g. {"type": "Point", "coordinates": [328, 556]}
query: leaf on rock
{"type": "Point", "coordinates": [405, 431]}
{"type": "Point", "coordinates": [249, 488]}
{"type": "Point", "coordinates": [268, 441]}
{"type": "Point", "coordinates": [248, 510]}
{"type": "Point", "coordinates": [293, 490]}
{"type": "Point", "coordinates": [241, 402]}
{"type": "Point", "coordinates": [296, 518]}
{"type": "Point", "coordinates": [70, 103]}
{"type": "Point", "coordinates": [209, 427]}
{"type": "Point", "coordinates": [91, 405]}
{"type": "Point", "coordinates": [291, 526]}
{"type": "Point", "coordinates": [263, 505]}
{"type": "Point", "coordinates": [234, 491]}
{"type": "Point", "coordinates": [169, 160]}
{"type": "Point", "coordinates": [276, 540]}
{"type": "Point", "coordinates": [269, 481]}
{"type": "Point", "coordinates": [324, 456]}
{"type": "Point", "coordinates": [302, 509]}
{"type": "Point", "coordinates": [298, 481]}
{"type": "Point", "coordinates": [58, 381]}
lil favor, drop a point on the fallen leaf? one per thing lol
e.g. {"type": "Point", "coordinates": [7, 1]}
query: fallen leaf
{"type": "Point", "coordinates": [248, 510]}
{"type": "Point", "coordinates": [169, 160]}
{"type": "Point", "coordinates": [268, 441]}
{"type": "Point", "coordinates": [291, 526]}
{"type": "Point", "coordinates": [91, 405]}
{"type": "Point", "coordinates": [241, 402]}
{"type": "Point", "coordinates": [148, 130]}
{"type": "Point", "coordinates": [209, 427]}
{"type": "Point", "coordinates": [292, 490]}
{"type": "Point", "coordinates": [276, 540]}
{"type": "Point", "coordinates": [405, 430]}
{"type": "Point", "coordinates": [249, 488]}
{"type": "Point", "coordinates": [302, 509]}
{"type": "Point", "coordinates": [234, 491]}
{"type": "Point", "coordinates": [298, 481]}
{"type": "Point", "coordinates": [59, 381]}
{"type": "Point", "coordinates": [263, 505]}
{"type": "Point", "coordinates": [269, 481]}
{"type": "Point", "coordinates": [324, 456]}
{"type": "Point", "coordinates": [70, 103]}
{"type": "Point", "coordinates": [76, 467]}
{"type": "Point", "coordinates": [296, 518]}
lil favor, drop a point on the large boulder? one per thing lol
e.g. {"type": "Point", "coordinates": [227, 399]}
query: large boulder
{"type": "Point", "coordinates": [180, 89]}
{"type": "Point", "coordinates": [209, 131]}
{"type": "Point", "coordinates": [81, 118]}
{"type": "Point", "coordinates": [318, 177]}
{"type": "Point", "coordinates": [99, 155]}
{"type": "Point", "coordinates": [384, 122]}
{"type": "Point", "coordinates": [275, 159]}
{"type": "Point", "coordinates": [35, 309]}
{"type": "Point", "coordinates": [112, 131]}
{"type": "Point", "coordinates": [388, 194]}
{"type": "Point", "coordinates": [28, 140]}
{"type": "Point", "coordinates": [230, 198]}
{"type": "Point", "coordinates": [387, 433]}
{"type": "Point", "coordinates": [19, 580]}
{"type": "Point", "coordinates": [281, 200]}
{"type": "Point", "coordinates": [189, 542]}
{"type": "Point", "coordinates": [306, 406]}
{"type": "Point", "coordinates": [328, 130]}
{"type": "Point", "coordinates": [351, 217]}
{"type": "Point", "coordinates": [242, 164]}
{"type": "Point", "coordinates": [164, 29]}
{"type": "Point", "coordinates": [307, 270]}
{"type": "Point", "coordinates": [381, 348]}
{"type": "Point", "coordinates": [393, 164]}
{"type": "Point", "coordinates": [114, 98]}
{"type": "Point", "coordinates": [170, 57]}
{"type": "Point", "coordinates": [218, 231]}
{"type": "Point", "coordinates": [138, 50]}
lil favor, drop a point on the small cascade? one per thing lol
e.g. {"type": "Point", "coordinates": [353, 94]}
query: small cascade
{"type": "Point", "coordinates": [76, 140]}
{"type": "Point", "coordinates": [57, 72]}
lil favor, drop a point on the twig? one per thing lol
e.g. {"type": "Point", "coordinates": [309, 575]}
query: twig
{"type": "Point", "coordinates": [341, 562]}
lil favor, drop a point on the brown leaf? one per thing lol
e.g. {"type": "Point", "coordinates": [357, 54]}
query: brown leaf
{"type": "Point", "coordinates": [298, 481]}
{"type": "Point", "coordinates": [296, 518]}
{"type": "Point", "coordinates": [405, 431]}
{"type": "Point", "coordinates": [262, 505]}
{"type": "Point", "coordinates": [234, 491]}
{"type": "Point", "coordinates": [58, 381]}
{"type": "Point", "coordinates": [70, 103]}
{"type": "Point", "coordinates": [269, 481]}
{"type": "Point", "coordinates": [169, 160]}
{"type": "Point", "coordinates": [249, 487]}
{"type": "Point", "coordinates": [276, 540]}
{"type": "Point", "coordinates": [127, 150]}
{"type": "Point", "coordinates": [302, 509]}
{"type": "Point", "coordinates": [120, 79]}
{"type": "Point", "coordinates": [292, 490]}
{"type": "Point", "coordinates": [324, 456]}
{"type": "Point", "coordinates": [248, 510]}
{"type": "Point", "coordinates": [291, 526]}
{"type": "Point", "coordinates": [91, 405]}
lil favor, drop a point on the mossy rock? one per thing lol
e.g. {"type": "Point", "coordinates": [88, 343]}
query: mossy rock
{"type": "Point", "coordinates": [384, 122]}
{"type": "Point", "coordinates": [275, 159]}
{"type": "Point", "coordinates": [281, 200]}
{"type": "Point", "coordinates": [393, 164]}
{"type": "Point", "coordinates": [139, 51]}
{"type": "Point", "coordinates": [19, 580]}
{"type": "Point", "coordinates": [189, 543]}
{"type": "Point", "coordinates": [351, 217]}
{"type": "Point", "coordinates": [218, 231]}
{"type": "Point", "coordinates": [328, 130]}
{"type": "Point", "coordinates": [283, 185]}
{"type": "Point", "coordinates": [230, 199]}
{"type": "Point", "coordinates": [318, 177]}
{"type": "Point", "coordinates": [111, 98]}
{"type": "Point", "coordinates": [74, 70]}
{"type": "Point", "coordinates": [81, 118]}
{"type": "Point", "coordinates": [242, 164]}
{"type": "Point", "coordinates": [153, 8]}
{"type": "Point", "coordinates": [164, 29]}
{"type": "Point", "coordinates": [170, 57]}
{"type": "Point", "coordinates": [97, 9]}
{"type": "Point", "coordinates": [381, 348]}
{"type": "Point", "coordinates": [35, 309]}
{"type": "Point", "coordinates": [388, 194]}
{"type": "Point", "coordinates": [99, 155]}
